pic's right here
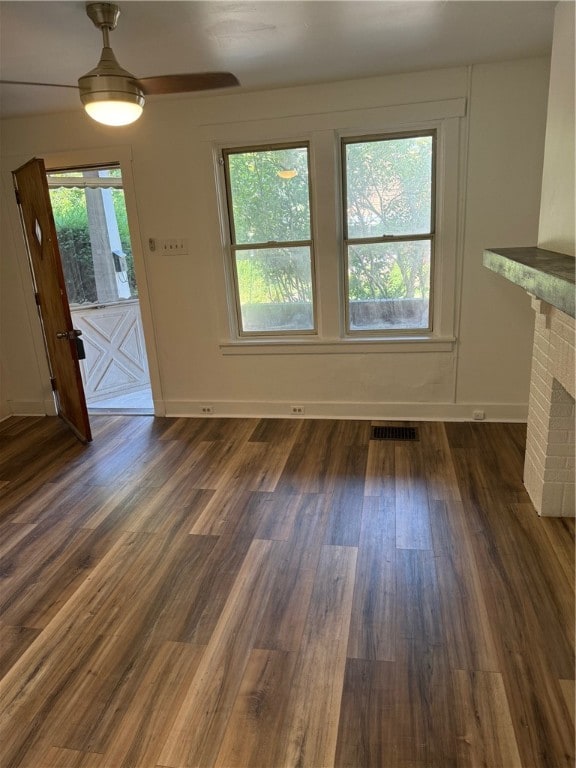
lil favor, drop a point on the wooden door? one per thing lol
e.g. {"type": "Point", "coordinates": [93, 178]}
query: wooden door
{"type": "Point", "coordinates": [59, 335]}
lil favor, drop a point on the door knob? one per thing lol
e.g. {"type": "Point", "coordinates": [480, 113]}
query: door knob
{"type": "Point", "coordinates": [70, 335]}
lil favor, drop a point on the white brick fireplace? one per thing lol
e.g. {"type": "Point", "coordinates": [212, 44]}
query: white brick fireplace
{"type": "Point", "coordinates": [549, 464]}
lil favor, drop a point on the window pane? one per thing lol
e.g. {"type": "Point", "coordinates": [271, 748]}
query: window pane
{"type": "Point", "coordinates": [389, 285]}
{"type": "Point", "coordinates": [270, 199]}
{"type": "Point", "coordinates": [389, 187]}
{"type": "Point", "coordinates": [275, 287]}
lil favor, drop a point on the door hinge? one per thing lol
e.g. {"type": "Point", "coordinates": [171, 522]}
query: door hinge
{"type": "Point", "coordinates": [17, 193]}
{"type": "Point", "coordinates": [53, 383]}
{"type": "Point", "coordinates": [37, 298]}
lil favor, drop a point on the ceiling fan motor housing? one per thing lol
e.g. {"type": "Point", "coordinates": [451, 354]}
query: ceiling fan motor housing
{"type": "Point", "coordinates": [109, 81]}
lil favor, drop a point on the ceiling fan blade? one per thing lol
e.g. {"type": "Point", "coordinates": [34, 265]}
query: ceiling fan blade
{"type": "Point", "coordinates": [200, 81]}
{"type": "Point", "coordinates": [47, 85]}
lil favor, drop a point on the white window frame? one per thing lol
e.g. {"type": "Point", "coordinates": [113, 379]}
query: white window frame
{"type": "Point", "coordinates": [232, 246]}
{"type": "Point", "coordinates": [324, 133]}
{"type": "Point", "coordinates": [348, 241]}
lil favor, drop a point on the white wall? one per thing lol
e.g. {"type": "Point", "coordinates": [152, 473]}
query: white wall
{"type": "Point", "coordinates": [173, 196]}
{"type": "Point", "coordinates": [24, 377]}
{"type": "Point", "coordinates": [556, 231]}
{"type": "Point", "coordinates": [503, 196]}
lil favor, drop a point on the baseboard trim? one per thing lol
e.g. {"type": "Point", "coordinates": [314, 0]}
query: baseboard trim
{"type": "Point", "coordinates": [31, 408]}
{"type": "Point", "coordinates": [496, 412]}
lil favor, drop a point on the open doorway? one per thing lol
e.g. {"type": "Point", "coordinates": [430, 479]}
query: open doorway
{"type": "Point", "coordinates": [94, 242]}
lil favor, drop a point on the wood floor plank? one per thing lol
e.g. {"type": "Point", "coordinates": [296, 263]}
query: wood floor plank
{"type": "Point", "coordinates": [536, 701]}
{"type": "Point", "coordinates": [485, 730]}
{"type": "Point", "coordinates": [425, 734]}
{"type": "Point", "coordinates": [568, 688]}
{"type": "Point", "coordinates": [373, 625]}
{"type": "Point", "coordinates": [209, 430]}
{"type": "Point", "coordinates": [466, 621]}
{"type": "Point", "coordinates": [250, 738]}
{"type": "Point", "coordinates": [441, 479]}
{"type": "Point", "coordinates": [412, 512]}
{"type": "Point", "coordinates": [279, 512]}
{"type": "Point", "coordinates": [344, 494]}
{"type": "Point", "coordinates": [334, 432]}
{"type": "Point", "coordinates": [379, 478]}
{"type": "Point", "coordinates": [199, 726]}
{"type": "Point", "coordinates": [277, 431]}
{"type": "Point", "coordinates": [367, 720]}
{"type": "Point", "coordinates": [284, 616]}
{"type": "Point", "coordinates": [560, 532]}
{"type": "Point", "coordinates": [13, 642]}
{"type": "Point", "coordinates": [310, 730]}
{"type": "Point", "coordinates": [12, 534]}
{"type": "Point", "coordinates": [56, 757]}
{"type": "Point", "coordinates": [312, 465]}
{"type": "Point", "coordinates": [398, 713]}
{"type": "Point", "coordinates": [418, 606]}
{"type": "Point", "coordinates": [304, 469]}
{"type": "Point", "coordinates": [142, 731]}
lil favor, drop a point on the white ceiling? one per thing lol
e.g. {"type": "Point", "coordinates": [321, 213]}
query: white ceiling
{"type": "Point", "coordinates": [265, 44]}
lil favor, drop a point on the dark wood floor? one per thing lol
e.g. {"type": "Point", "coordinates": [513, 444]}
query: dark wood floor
{"type": "Point", "coordinates": [279, 593]}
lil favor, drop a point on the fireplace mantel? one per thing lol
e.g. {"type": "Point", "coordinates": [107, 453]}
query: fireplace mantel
{"type": "Point", "coordinates": [548, 275]}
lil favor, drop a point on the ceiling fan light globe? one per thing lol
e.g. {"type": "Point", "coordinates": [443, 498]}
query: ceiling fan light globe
{"type": "Point", "coordinates": [113, 112]}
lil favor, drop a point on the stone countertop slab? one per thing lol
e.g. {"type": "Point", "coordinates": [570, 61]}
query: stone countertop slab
{"type": "Point", "coordinates": [548, 275]}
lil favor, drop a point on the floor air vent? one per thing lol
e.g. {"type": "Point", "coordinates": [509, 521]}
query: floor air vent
{"type": "Point", "coordinates": [394, 433]}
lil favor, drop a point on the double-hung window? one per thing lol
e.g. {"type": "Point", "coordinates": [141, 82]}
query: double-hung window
{"type": "Point", "coordinates": [272, 264]}
{"type": "Point", "coordinates": [388, 190]}
{"type": "Point", "coordinates": [381, 271]}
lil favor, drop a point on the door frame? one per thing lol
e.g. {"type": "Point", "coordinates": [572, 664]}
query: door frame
{"type": "Point", "coordinates": [114, 155]}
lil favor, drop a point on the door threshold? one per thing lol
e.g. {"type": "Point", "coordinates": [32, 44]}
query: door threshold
{"type": "Point", "coordinates": [107, 411]}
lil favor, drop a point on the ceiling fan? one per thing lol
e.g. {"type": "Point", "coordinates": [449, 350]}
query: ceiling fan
{"type": "Point", "coordinates": [113, 96]}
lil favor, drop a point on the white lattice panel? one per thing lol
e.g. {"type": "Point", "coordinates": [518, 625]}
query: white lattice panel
{"type": "Point", "coordinates": [115, 352]}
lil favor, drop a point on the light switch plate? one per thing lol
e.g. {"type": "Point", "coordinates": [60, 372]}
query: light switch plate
{"type": "Point", "coordinates": [169, 245]}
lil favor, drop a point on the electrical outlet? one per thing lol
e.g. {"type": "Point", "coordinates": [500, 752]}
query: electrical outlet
{"type": "Point", "coordinates": [479, 415]}
{"type": "Point", "coordinates": [297, 410]}
{"type": "Point", "coordinates": [206, 409]}
{"type": "Point", "coordinates": [170, 246]}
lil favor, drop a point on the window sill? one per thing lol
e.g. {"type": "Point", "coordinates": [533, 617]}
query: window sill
{"type": "Point", "coordinates": [398, 344]}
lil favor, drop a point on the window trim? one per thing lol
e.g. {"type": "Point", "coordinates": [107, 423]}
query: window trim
{"type": "Point", "coordinates": [234, 247]}
{"type": "Point", "coordinates": [324, 129]}
{"type": "Point", "coordinates": [430, 235]}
